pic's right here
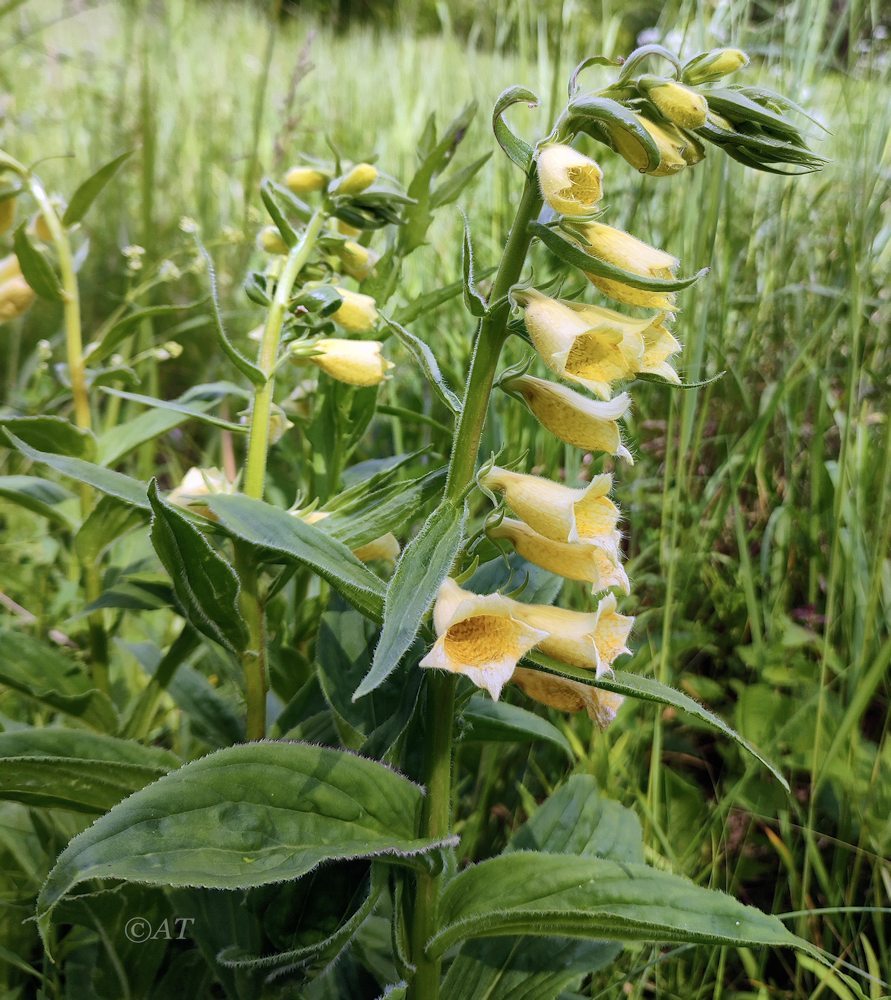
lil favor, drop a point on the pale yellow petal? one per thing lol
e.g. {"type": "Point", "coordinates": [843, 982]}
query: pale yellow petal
{"type": "Point", "coordinates": [568, 696]}
{"type": "Point", "coordinates": [571, 183]}
{"type": "Point", "coordinates": [355, 362]}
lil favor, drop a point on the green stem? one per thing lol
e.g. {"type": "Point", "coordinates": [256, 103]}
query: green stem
{"type": "Point", "coordinates": [253, 659]}
{"type": "Point", "coordinates": [490, 338]}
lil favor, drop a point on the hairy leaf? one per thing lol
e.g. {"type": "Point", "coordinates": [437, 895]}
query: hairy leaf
{"type": "Point", "coordinates": [490, 721]}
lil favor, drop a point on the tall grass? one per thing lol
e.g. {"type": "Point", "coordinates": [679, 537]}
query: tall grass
{"type": "Point", "coordinates": [758, 531]}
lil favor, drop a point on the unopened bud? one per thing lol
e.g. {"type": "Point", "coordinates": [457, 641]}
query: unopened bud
{"type": "Point", "coordinates": [679, 104]}
{"type": "Point", "coordinates": [357, 312]}
{"type": "Point", "coordinates": [270, 241]}
{"type": "Point", "coordinates": [357, 261]}
{"type": "Point", "coordinates": [305, 180]}
{"type": "Point", "coordinates": [360, 177]}
{"type": "Point", "coordinates": [16, 295]}
{"type": "Point", "coordinates": [712, 65]}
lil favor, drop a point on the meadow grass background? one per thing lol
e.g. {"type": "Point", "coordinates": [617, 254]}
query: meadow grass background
{"type": "Point", "coordinates": [757, 511]}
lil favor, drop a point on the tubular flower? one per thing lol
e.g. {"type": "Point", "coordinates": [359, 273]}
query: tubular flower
{"type": "Point", "coordinates": [559, 512]}
{"type": "Point", "coordinates": [588, 344]}
{"type": "Point", "coordinates": [671, 158]}
{"type": "Point", "coordinates": [590, 641]}
{"type": "Point", "coordinates": [356, 362]}
{"type": "Point", "coordinates": [572, 417]}
{"type": "Point", "coordinates": [305, 180]}
{"type": "Point", "coordinates": [571, 183]}
{"type": "Point", "coordinates": [659, 345]}
{"type": "Point", "coordinates": [479, 636]}
{"type": "Point", "coordinates": [680, 105]}
{"type": "Point", "coordinates": [631, 254]}
{"type": "Point", "coordinates": [596, 563]}
{"type": "Point", "coordinates": [16, 295]}
{"type": "Point", "coordinates": [569, 696]}
{"type": "Point", "coordinates": [357, 261]}
{"type": "Point", "coordinates": [360, 177]}
{"type": "Point", "coordinates": [357, 312]}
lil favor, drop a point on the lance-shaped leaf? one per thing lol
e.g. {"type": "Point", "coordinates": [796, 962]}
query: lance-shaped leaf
{"type": "Point", "coordinates": [424, 564]}
{"type": "Point", "coordinates": [266, 527]}
{"type": "Point", "coordinates": [516, 148]}
{"type": "Point", "coordinates": [177, 406]}
{"type": "Point", "coordinates": [268, 193]}
{"type": "Point", "coordinates": [529, 892]}
{"type": "Point", "coordinates": [76, 769]}
{"type": "Point", "coordinates": [246, 816]}
{"type": "Point", "coordinates": [113, 334]}
{"type": "Point", "coordinates": [104, 525]}
{"type": "Point", "coordinates": [206, 585]}
{"type": "Point", "coordinates": [36, 268]}
{"type": "Point", "coordinates": [91, 188]}
{"type": "Point", "coordinates": [428, 364]}
{"type": "Point", "coordinates": [40, 496]}
{"type": "Point", "coordinates": [115, 484]}
{"type": "Point", "coordinates": [53, 434]}
{"type": "Point", "coordinates": [645, 52]}
{"type": "Point", "coordinates": [488, 721]}
{"type": "Point", "coordinates": [573, 253]}
{"type": "Point", "coordinates": [450, 189]}
{"type": "Point", "coordinates": [476, 304]}
{"type": "Point", "coordinates": [648, 689]}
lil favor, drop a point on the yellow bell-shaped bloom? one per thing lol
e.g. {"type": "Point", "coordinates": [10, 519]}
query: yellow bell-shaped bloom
{"type": "Point", "coordinates": [595, 562]}
{"type": "Point", "coordinates": [556, 511]}
{"type": "Point", "coordinates": [591, 641]}
{"type": "Point", "coordinates": [357, 261]}
{"type": "Point", "coordinates": [356, 180]}
{"type": "Point", "coordinates": [568, 696]}
{"type": "Point", "coordinates": [479, 636]}
{"type": "Point", "coordinates": [679, 104]}
{"type": "Point", "coordinates": [631, 254]}
{"type": "Point", "coordinates": [659, 345]}
{"type": "Point", "coordinates": [356, 313]}
{"type": "Point", "coordinates": [571, 183]}
{"type": "Point", "coordinates": [16, 295]}
{"type": "Point", "coordinates": [356, 362]}
{"type": "Point", "coordinates": [588, 344]}
{"type": "Point", "coordinates": [386, 549]}
{"type": "Point", "coordinates": [305, 180]}
{"type": "Point", "coordinates": [572, 417]}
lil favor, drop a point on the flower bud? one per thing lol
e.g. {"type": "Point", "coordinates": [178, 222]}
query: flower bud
{"type": "Point", "coordinates": [356, 180]}
{"type": "Point", "coordinates": [568, 696]}
{"type": "Point", "coordinates": [712, 65]}
{"type": "Point", "coordinates": [345, 229]}
{"type": "Point", "coordinates": [386, 549]}
{"type": "Point", "coordinates": [679, 104]}
{"type": "Point", "coordinates": [357, 312]}
{"type": "Point", "coordinates": [571, 183]}
{"type": "Point", "coordinates": [7, 214]}
{"type": "Point", "coordinates": [669, 144]}
{"type": "Point", "coordinates": [305, 180]}
{"type": "Point", "coordinates": [356, 362]}
{"type": "Point", "coordinates": [16, 295]}
{"type": "Point", "coordinates": [357, 261]}
{"type": "Point", "coordinates": [199, 483]}
{"type": "Point", "coordinates": [270, 240]}
{"type": "Point", "coordinates": [631, 254]}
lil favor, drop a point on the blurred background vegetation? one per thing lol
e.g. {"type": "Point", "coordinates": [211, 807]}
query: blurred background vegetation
{"type": "Point", "coordinates": [758, 513]}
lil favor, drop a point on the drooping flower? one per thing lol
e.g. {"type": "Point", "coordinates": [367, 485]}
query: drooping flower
{"type": "Point", "coordinates": [588, 344]}
{"type": "Point", "coordinates": [571, 183]}
{"type": "Point", "coordinates": [479, 636]}
{"type": "Point", "coordinates": [679, 104]}
{"type": "Point", "coordinates": [356, 313]}
{"type": "Point", "coordinates": [572, 417]}
{"type": "Point", "coordinates": [595, 562]}
{"type": "Point", "coordinates": [631, 254]}
{"type": "Point", "coordinates": [568, 695]}
{"type": "Point", "coordinates": [16, 295]}
{"type": "Point", "coordinates": [305, 180]}
{"type": "Point", "coordinates": [357, 261]}
{"type": "Point", "coordinates": [558, 512]}
{"type": "Point", "coordinates": [355, 362]}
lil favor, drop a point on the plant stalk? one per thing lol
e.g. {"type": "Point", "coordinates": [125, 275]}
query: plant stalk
{"type": "Point", "coordinates": [436, 820]}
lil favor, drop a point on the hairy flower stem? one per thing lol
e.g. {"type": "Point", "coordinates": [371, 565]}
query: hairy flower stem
{"type": "Point", "coordinates": [253, 659]}
{"type": "Point", "coordinates": [490, 338]}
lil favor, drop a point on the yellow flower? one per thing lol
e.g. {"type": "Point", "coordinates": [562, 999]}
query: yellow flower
{"type": "Point", "coordinates": [270, 241]}
{"type": "Point", "coordinates": [712, 65]}
{"type": "Point", "coordinates": [386, 547]}
{"type": "Point", "coordinates": [594, 562]}
{"type": "Point", "coordinates": [571, 183]}
{"type": "Point", "coordinates": [16, 295]}
{"type": "Point", "coordinates": [669, 144]}
{"type": "Point", "coordinates": [572, 417]}
{"type": "Point", "coordinates": [568, 696]}
{"type": "Point", "coordinates": [555, 511]}
{"type": "Point", "coordinates": [198, 483]}
{"type": "Point", "coordinates": [356, 180]}
{"type": "Point", "coordinates": [357, 312]}
{"type": "Point", "coordinates": [591, 641]}
{"type": "Point", "coordinates": [659, 345]}
{"type": "Point", "coordinates": [357, 261]}
{"type": "Point", "coordinates": [631, 254]}
{"type": "Point", "coordinates": [345, 229]}
{"type": "Point", "coordinates": [305, 180]}
{"type": "Point", "coordinates": [588, 344]}
{"type": "Point", "coordinates": [7, 214]}
{"type": "Point", "coordinates": [356, 362]}
{"type": "Point", "coordinates": [680, 105]}
{"type": "Point", "coordinates": [479, 636]}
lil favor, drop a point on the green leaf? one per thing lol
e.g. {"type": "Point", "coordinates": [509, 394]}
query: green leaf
{"type": "Point", "coordinates": [488, 721]}
{"type": "Point", "coordinates": [114, 484]}
{"type": "Point", "coordinates": [36, 268]}
{"type": "Point", "coordinates": [645, 52]}
{"type": "Point", "coordinates": [423, 565]}
{"type": "Point", "coordinates": [602, 116]}
{"type": "Point", "coordinates": [428, 364]}
{"type": "Point", "coordinates": [206, 585]}
{"type": "Point", "coordinates": [53, 434]}
{"type": "Point", "coordinates": [267, 527]}
{"type": "Point", "coordinates": [109, 340]}
{"type": "Point", "coordinates": [76, 769]}
{"type": "Point", "coordinates": [35, 669]}
{"type": "Point", "coordinates": [268, 193]}
{"type": "Point", "coordinates": [516, 148]}
{"type": "Point", "coordinates": [648, 689]}
{"type": "Point", "coordinates": [512, 573]}
{"type": "Point", "coordinates": [246, 816]}
{"type": "Point", "coordinates": [510, 968]}
{"type": "Point", "coordinates": [475, 303]}
{"type": "Point", "coordinates": [573, 253]}
{"type": "Point", "coordinates": [91, 188]}
{"type": "Point", "coordinates": [450, 189]}
{"type": "Point", "coordinates": [108, 521]}
{"type": "Point", "coordinates": [531, 892]}
{"type": "Point", "coordinates": [175, 406]}
{"type": "Point", "coordinates": [576, 820]}
{"type": "Point", "coordinates": [37, 495]}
